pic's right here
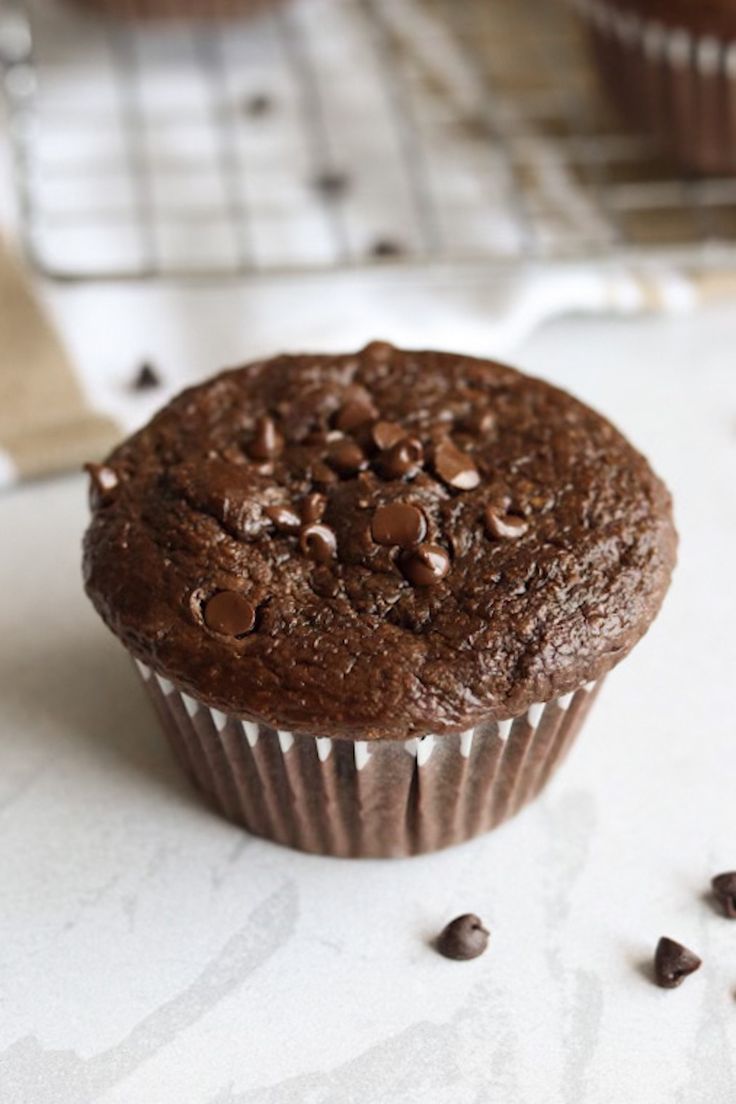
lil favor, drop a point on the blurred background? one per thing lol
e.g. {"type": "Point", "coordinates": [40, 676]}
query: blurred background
{"type": "Point", "coordinates": [189, 184]}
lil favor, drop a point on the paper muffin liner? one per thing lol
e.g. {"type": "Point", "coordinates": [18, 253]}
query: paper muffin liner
{"type": "Point", "coordinates": [677, 85]}
{"type": "Point", "coordinates": [367, 798]}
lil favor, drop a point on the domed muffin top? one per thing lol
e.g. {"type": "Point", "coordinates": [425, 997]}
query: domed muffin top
{"type": "Point", "coordinates": [377, 546]}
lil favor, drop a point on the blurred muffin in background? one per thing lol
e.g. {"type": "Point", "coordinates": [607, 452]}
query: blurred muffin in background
{"type": "Point", "coordinates": [671, 67]}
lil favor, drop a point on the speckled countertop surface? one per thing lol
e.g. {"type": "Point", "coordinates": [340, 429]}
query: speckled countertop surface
{"type": "Point", "coordinates": [152, 954]}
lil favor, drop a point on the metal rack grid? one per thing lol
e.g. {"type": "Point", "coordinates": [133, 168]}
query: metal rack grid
{"type": "Point", "coordinates": [330, 133]}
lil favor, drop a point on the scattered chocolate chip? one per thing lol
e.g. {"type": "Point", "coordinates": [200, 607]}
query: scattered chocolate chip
{"type": "Point", "coordinates": [480, 421]}
{"type": "Point", "coordinates": [386, 434]}
{"type": "Point", "coordinates": [463, 938]}
{"type": "Point", "coordinates": [378, 351]}
{"type": "Point", "coordinates": [267, 442]}
{"type": "Point", "coordinates": [386, 247]}
{"type": "Point", "coordinates": [673, 963]}
{"type": "Point", "coordinates": [229, 613]}
{"type": "Point", "coordinates": [455, 467]}
{"type": "Point", "coordinates": [284, 518]}
{"type": "Point", "coordinates": [354, 414]}
{"type": "Point", "coordinates": [321, 473]}
{"type": "Point", "coordinates": [332, 183]}
{"type": "Point", "coordinates": [426, 566]}
{"type": "Point", "coordinates": [346, 457]}
{"type": "Point", "coordinates": [317, 438]}
{"type": "Point", "coordinates": [318, 542]}
{"type": "Point", "coordinates": [103, 483]}
{"type": "Point", "coordinates": [405, 458]}
{"type": "Point", "coordinates": [146, 378]}
{"type": "Point", "coordinates": [724, 887]}
{"type": "Point", "coordinates": [398, 523]}
{"type": "Point", "coordinates": [313, 507]}
{"type": "Point", "coordinates": [504, 526]}
{"type": "Point", "coordinates": [257, 105]}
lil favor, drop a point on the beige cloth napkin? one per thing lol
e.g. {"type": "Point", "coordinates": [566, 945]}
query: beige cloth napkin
{"type": "Point", "coordinates": [46, 424]}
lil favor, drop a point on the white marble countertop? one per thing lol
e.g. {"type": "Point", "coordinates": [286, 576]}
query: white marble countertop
{"type": "Point", "coordinates": [150, 953]}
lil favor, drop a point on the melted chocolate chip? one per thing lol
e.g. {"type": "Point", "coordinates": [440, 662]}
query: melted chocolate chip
{"type": "Point", "coordinates": [480, 421]}
{"type": "Point", "coordinates": [426, 566]}
{"type": "Point", "coordinates": [455, 467]}
{"type": "Point", "coordinates": [147, 378]}
{"type": "Point", "coordinates": [284, 518]}
{"type": "Point", "coordinates": [463, 938]}
{"type": "Point", "coordinates": [313, 507]}
{"type": "Point", "coordinates": [386, 434]}
{"type": "Point", "coordinates": [724, 888]}
{"type": "Point", "coordinates": [267, 442]}
{"type": "Point", "coordinates": [405, 458]}
{"type": "Point", "coordinates": [318, 542]}
{"type": "Point", "coordinates": [346, 457]}
{"type": "Point", "coordinates": [321, 473]}
{"type": "Point", "coordinates": [673, 963]}
{"type": "Point", "coordinates": [103, 483]}
{"type": "Point", "coordinates": [504, 526]}
{"type": "Point", "coordinates": [354, 414]}
{"type": "Point", "coordinates": [398, 523]}
{"type": "Point", "coordinates": [229, 613]}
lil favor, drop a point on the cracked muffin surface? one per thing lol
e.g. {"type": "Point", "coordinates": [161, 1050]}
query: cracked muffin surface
{"type": "Point", "coordinates": [378, 545]}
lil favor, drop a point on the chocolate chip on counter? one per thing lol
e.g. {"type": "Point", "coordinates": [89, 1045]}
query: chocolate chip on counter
{"type": "Point", "coordinates": [480, 421]}
{"type": "Point", "coordinates": [332, 183]}
{"type": "Point", "coordinates": [386, 247]}
{"type": "Point", "coordinates": [455, 467]}
{"type": "Point", "coordinates": [504, 526]}
{"type": "Point", "coordinates": [398, 523]}
{"type": "Point", "coordinates": [284, 518]}
{"type": "Point", "coordinates": [267, 442]}
{"type": "Point", "coordinates": [103, 483]}
{"type": "Point", "coordinates": [346, 457]}
{"type": "Point", "coordinates": [354, 414]}
{"type": "Point", "coordinates": [463, 938]}
{"type": "Point", "coordinates": [229, 613]}
{"type": "Point", "coordinates": [673, 963]}
{"type": "Point", "coordinates": [313, 507]}
{"type": "Point", "coordinates": [318, 542]}
{"type": "Point", "coordinates": [724, 888]}
{"type": "Point", "coordinates": [146, 378]}
{"type": "Point", "coordinates": [257, 105]}
{"type": "Point", "coordinates": [386, 434]}
{"type": "Point", "coordinates": [405, 458]}
{"type": "Point", "coordinates": [379, 352]}
{"type": "Point", "coordinates": [426, 566]}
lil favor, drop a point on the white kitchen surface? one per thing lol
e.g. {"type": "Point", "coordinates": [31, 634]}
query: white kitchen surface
{"type": "Point", "coordinates": [150, 953]}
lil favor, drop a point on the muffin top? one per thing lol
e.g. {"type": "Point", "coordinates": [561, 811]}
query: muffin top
{"type": "Point", "coordinates": [702, 17]}
{"type": "Point", "coordinates": [377, 546]}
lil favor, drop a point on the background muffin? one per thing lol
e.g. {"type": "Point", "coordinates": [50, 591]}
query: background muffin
{"type": "Point", "coordinates": [372, 595]}
{"type": "Point", "coordinates": [671, 67]}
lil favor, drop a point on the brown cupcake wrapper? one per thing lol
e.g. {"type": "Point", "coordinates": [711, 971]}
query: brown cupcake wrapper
{"type": "Point", "coordinates": [679, 86]}
{"type": "Point", "coordinates": [360, 798]}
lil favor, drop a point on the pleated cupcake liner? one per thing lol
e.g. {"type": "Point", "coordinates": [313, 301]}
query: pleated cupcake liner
{"type": "Point", "coordinates": [375, 799]}
{"type": "Point", "coordinates": [678, 86]}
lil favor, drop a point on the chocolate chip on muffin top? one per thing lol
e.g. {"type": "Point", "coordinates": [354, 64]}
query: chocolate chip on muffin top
{"type": "Point", "coordinates": [352, 545]}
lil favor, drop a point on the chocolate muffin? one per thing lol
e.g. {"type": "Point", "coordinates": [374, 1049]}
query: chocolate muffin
{"type": "Point", "coordinates": [671, 67]}
{"type": "Point", "coordinates": [373, 596]}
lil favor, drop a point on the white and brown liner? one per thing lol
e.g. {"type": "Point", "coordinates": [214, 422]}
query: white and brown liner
{"type": "Point", "coordinates": [360, 798]}
{"type": "Point", "coordinates": [677, 85]}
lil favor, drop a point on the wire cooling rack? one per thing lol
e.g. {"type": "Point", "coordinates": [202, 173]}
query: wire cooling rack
{"type": "Point", "coordinates": [330, 133]}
